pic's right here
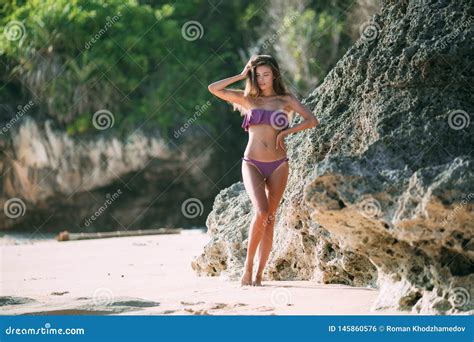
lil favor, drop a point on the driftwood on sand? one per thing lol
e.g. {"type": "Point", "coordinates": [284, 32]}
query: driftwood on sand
{"type": "Point", "coordinates": [67, 236]}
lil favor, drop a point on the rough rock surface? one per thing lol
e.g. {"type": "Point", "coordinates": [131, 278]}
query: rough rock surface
{"type": "Point", "coordinates": [381, 192]}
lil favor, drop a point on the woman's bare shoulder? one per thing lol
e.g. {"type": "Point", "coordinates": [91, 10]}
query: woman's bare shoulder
{"type": "Point", "coordinates": [251, 101]}
{"type": "Point", "coordinates": [286, 101]}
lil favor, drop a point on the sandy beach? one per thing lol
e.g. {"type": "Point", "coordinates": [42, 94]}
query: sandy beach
{"type": "Point", "coordinates": [151, 275]}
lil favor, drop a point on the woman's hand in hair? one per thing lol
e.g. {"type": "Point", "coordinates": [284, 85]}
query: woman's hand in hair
{"type": "Point", "coordinates": [247, 67]}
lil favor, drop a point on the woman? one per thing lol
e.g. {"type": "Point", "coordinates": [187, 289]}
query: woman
{"type": "Point", "coordinates": [264, 104]}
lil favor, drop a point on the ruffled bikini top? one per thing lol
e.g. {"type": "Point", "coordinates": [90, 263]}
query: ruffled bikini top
{"type": "Point", "coordinates": [259, 116]}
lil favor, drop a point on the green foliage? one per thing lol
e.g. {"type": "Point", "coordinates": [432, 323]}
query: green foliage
{"type": "Point", "coordinates": [130, 57]}
{"type": "Point", "coordinates": [76, 57]}
{"type": "Point", "coordinates": [322, 30]}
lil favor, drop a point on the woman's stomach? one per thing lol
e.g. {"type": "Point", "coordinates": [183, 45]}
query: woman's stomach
{"type": "Point", "coordinates": [262, 144]}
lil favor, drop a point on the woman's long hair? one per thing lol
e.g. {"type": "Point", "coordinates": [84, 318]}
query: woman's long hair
{"type": "Point", "coordinates": [251, 86]}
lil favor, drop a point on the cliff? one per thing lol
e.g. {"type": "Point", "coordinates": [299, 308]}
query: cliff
{"type": "Point", "coordinates": [52, 181]}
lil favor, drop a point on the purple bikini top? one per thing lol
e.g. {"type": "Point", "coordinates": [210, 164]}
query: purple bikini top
{"type": "Point", "coordinates": [275, 118]}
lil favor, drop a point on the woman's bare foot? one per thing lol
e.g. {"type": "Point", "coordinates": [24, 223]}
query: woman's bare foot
{"type": "Point", "coordinates": [246, 278]}
{"type": "Point", "coordinates": [258, 280]}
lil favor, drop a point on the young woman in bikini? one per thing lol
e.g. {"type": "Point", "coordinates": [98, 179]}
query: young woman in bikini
{"type": "Point", "coordinates": [266, 106]}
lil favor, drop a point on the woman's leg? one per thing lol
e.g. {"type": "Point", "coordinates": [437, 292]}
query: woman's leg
{"type": "Point", "coordinates": [276, 185]}
{"type": "Point", "coordinates": [255, 186]}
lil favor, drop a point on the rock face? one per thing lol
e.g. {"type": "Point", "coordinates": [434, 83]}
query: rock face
{"type": "Point", "coordinates": [50, 179]}
{"type": "Point", "coordinates": [381, 193]}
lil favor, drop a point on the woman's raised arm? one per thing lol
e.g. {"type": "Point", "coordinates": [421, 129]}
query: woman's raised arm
{"type": "Point", "coordinates": [231, 95]}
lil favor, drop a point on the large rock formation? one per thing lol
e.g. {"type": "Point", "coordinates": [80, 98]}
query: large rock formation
{"type": "Point", "coordinates": [381, 192]}
{"type": "Point", "coordinates": [51, 181]}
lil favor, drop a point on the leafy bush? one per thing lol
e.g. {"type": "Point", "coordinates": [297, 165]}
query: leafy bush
{"type": "Point", "coordinates": [134, 59]}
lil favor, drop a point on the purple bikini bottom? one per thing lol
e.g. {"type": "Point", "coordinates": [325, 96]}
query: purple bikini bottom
{"type": "Point", "coordinates": [266, 168]}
